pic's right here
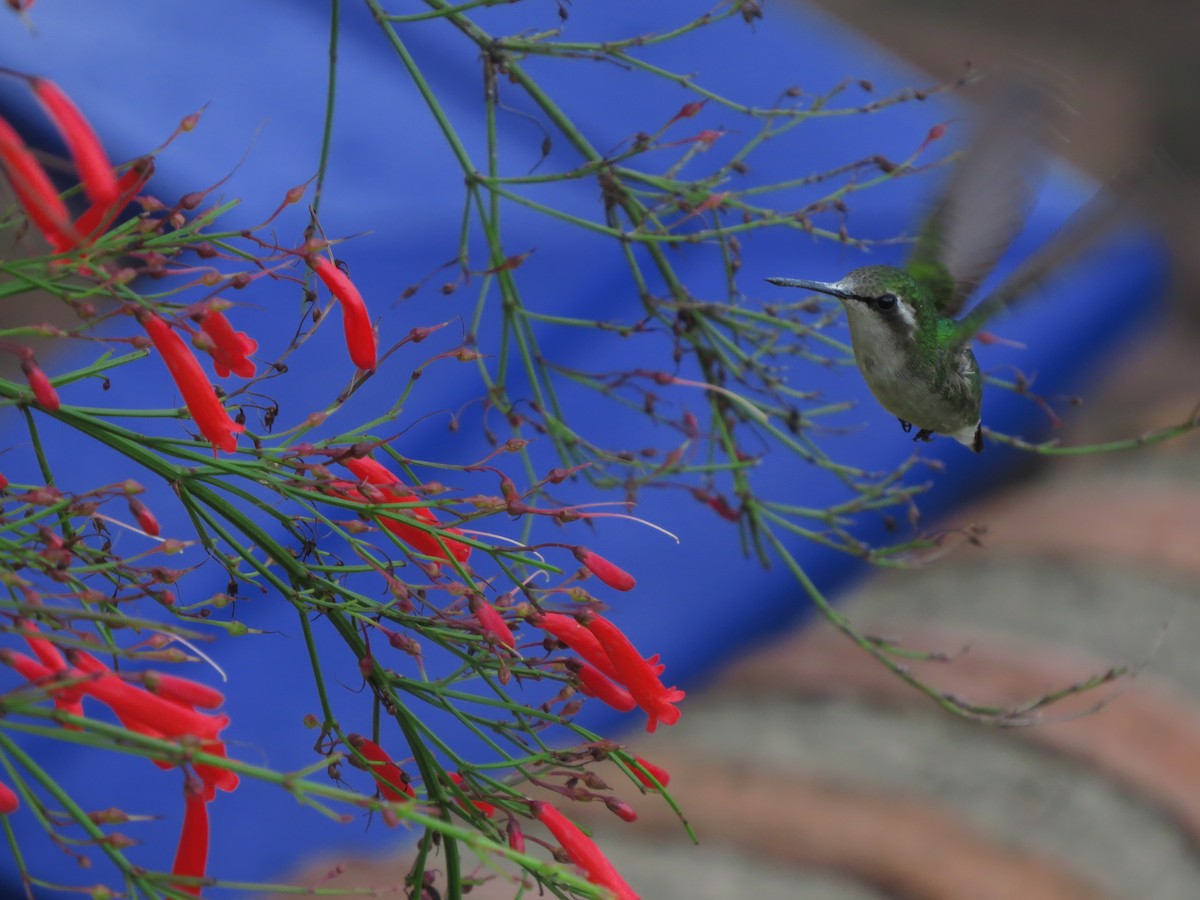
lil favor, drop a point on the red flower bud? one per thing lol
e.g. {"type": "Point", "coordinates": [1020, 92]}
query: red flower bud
{"type": "Point", "coordinates": [360, 337]}
{"type": "Point", "coordinates": [43, 390]}
{"type": "Point", "coordinates": [936, 133]}
{"type": "Point", "coordinates": [662, 775]}
{"type": "Point", "coordinates": [516, 837]}
{"type": "Point", "coordinates": [613, 576]}
{"type": "Point", "coordinates": [9, 801]}
{"type": "Point", "coordinates": [493, 623]}
{"type": "Point", "coordinates": [621, 809]}
{"type": "Point", "coordinates": [145, 518]}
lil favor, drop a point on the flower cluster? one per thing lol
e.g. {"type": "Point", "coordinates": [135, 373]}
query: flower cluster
{"type": "Point", "coordinates": [110, 194]}
{"type": "Point", "coordinates": [162, 706]}
{"type": "Point", "coordinates": [613, 671]}
{"type": "Point", "coordinates": [35, 191]}
{"type": "Point", "coordinates": [181, 716]}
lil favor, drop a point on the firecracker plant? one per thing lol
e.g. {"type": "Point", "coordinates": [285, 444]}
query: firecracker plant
{"type": "Point", "coordinates": [106, 646]}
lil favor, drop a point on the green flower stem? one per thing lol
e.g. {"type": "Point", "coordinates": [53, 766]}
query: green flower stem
{"type": "Point", "coordinates": [335, 12]}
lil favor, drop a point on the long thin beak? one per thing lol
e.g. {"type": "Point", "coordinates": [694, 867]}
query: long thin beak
{"type": "Point", "coordinates": [834, 289]}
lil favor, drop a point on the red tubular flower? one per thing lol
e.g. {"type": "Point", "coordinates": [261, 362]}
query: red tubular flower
{"type": "Point", "coordinates": [9, 801]}
{"type": "Point", "coordinates": [594, 684]}
{"type": "Point", "coordinates": [157, 716]}
{"type": "Point", "coordinates": [47, 653]}
{"type": "Point", "coordinates": [150, 714]}
{"type": "Point", "coordinates": [614, 576]}
{"type": "Point", "coordinates": [582, 850]}
{"type": "Point", "coordinates": [484, 807]}
{"type": "Point", "coordinates": [371, 472]}
{"type": "Point", "coordinates": [35, 192]}
{"type": "Point", "coordinates": [215, 778]}
{"type": "Point", "coordinates": [491, 620]}
{"type": "Point", "coordinates": [360, 337]}
{"type": "Point", "coordinates": [578, 638]}
{"type": "Point", "coordinates": [97, 217]}
{"type": "Point", "coordinates": [183, 691]}
{"type": "Point", "coordinates": [663, 776]}
{"type": "Point", "coordinates": [43, 390]}
{"type": "Point", "coordinates": [210, 416]}
{"type": "Point", "coordinates": [637, 674]}
{"type": "Point", "coordinates": [27, 667]}
{"type": "Point", "coordinates": [137, 709]}
{"type": "Point", "coordinates": [392, 782]}
{"type": "Point", "coordinates": [191, 856]}
{"type": "Point", "coordinates": [48, 664]}
{"type": "Point", "coordinates": [231, 349]}
{"type": "Point", "coordinates": [95, 171]}
{"type": "Point", "coordinates": [144, 712]}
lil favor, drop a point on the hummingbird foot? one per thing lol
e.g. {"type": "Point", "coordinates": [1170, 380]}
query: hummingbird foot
{"type": "Point", "coordinates": [906, 426]}
{"type": "Point", "coordinates": [923, 435]}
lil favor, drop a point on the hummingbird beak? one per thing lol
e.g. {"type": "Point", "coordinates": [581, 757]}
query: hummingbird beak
{"type": "Point", "coordinates": [832, 288]}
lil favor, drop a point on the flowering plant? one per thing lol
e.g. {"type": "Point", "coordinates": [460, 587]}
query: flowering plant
{"type": "Point", "coordinates": [476, 625]}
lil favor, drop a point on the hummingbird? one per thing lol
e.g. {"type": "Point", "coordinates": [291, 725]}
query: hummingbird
{"type": "Point", "coordinates": [913, 352]}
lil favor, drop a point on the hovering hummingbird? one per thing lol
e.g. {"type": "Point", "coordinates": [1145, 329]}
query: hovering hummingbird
{"type": "Point", "coordinates": [913, 353]}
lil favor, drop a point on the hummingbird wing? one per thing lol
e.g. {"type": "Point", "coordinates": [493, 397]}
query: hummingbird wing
{"type": "Point", "coordinates": [988, 196]}
{"type": "Point", "coordinates": [1108, 208]}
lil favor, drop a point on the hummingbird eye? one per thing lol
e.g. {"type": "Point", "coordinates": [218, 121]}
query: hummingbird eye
{"type": "Point", "coordinates": [887, 301]}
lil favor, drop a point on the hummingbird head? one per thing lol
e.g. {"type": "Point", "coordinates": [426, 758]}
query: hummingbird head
{"type": "Point", "coordinates": [882, 302]}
